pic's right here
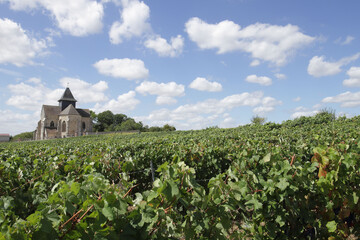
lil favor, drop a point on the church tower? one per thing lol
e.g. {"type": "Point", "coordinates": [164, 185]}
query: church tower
{"type": "Point", "coordinates": [67, 99]}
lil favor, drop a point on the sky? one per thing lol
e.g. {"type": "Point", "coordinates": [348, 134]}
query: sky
{"type": "Point", "coordinates": [191, 64]}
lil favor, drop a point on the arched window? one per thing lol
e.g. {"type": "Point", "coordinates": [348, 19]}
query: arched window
{"type": "Point", "coordinates": [63, 126]}
{"type": "Point", "coordinates": [83, 126]}
{"type": "Point", "coordinates": [52, 124]}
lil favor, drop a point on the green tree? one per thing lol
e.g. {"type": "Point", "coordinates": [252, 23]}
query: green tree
{"type": "Point", "coordinates": [257, 120]}
{"type": "Point", "coordinates": [168, 128]}
{"type": "Point", "coordinates": [25, 136]}
{"type": "Point", "coordinates": [119, 118]}
{"type": "Point", "coordinates": [105, 121]}
{"type": "Point", "coordinates": [128, 125]}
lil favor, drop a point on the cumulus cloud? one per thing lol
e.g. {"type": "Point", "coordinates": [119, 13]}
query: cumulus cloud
{"type": "Point", "coordinates": [280, 76]}
{"type": "Point", "coordinates": [318, 67]}
{"type": "Point", "coordinates": [14, 123]}
{"type": "Point", "coordinates": [165, 49]}
{"type": "Point", "coordinates": [202, 84]}
{"type": "Point", "coordinates": [354, 77]}
{"type": "Point", "coordinates": [303, 111]}
{"type": "Point", "coordinates": [346, 99]}
{"type": "Point", "coordinates": [205, 113]}
{"type": "Point", "coordinates": [122, 104]}
{"type": "Point", "coordinates": [165, 91]}
{"type": "Point", "coordinates": [78, 18]}
{"type": "Point", "coordinates": [130, 69]}
{"type": "Point", "coordinates": [17, 46]}
{"type": "Point", "coordinates": [134, 21]}
{"type": "Point", "coordinates": [86, 92]}
{"type": "Point", "coordinates": [272, 43]}
{"type": "Point", "coordinates": [268, 104]}
{"type": "Point", "coordinates": [265, 81]}
{"type": "Point", "coordinates": [32, 94]}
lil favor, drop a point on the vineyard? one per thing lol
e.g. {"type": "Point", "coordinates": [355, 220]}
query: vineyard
{"type": "Point", "coordinates": [295, 180]}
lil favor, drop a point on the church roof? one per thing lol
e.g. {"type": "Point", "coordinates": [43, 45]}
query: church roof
{"type": "Point", "coordinates": [69, 110]}
{"type": "Point", "coordinates": [83, 112]}
{"type": "Point", "coordinates": [51, 110]}
{"type": "Point", "coordinates": [67, 96]}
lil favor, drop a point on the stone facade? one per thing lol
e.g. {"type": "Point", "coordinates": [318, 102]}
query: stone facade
{"type": "Point", "coordinates": [64, 120]}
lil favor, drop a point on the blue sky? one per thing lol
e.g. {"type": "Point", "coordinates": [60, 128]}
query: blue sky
{"type": "Point", "coordinates": [191, 64]}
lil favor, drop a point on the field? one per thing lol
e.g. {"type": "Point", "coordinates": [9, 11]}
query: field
{"type": "Point", "coordinates": [295, 180]}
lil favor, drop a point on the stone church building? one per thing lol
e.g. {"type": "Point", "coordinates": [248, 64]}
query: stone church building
{"type": "Point", "coordinates": [64, 120]}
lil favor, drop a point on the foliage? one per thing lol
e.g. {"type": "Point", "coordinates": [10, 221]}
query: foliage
{"type": "Point", "coordinates": [271, 181]}
{"type": "Point", "coordinates": [257, 120]}
{"type": "Point", "coordinates": [25, 136]}
{"type": "Point", "coordinates": [108, 122]}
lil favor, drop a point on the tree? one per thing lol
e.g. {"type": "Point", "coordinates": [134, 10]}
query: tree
{"type": "Point", "coordinates": [168, 127]}
{"type": "Point", "coordinates": [257, 120]}
{"type": "Point", "coordinates": [105, 120]}
{"type": "Point", "coordinates": [25, 136]}
{"type": "Point", "coordinates": [129, 125]}
{"type": "Point", "coordinates": [119, 118]}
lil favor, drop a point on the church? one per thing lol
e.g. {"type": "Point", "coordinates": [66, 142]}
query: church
{"type": "Point", "coordinates": [64, 120]}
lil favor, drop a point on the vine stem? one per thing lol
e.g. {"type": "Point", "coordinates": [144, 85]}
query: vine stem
{"type": "Point", "coordinates": [73, 216]}
{"type": "Point", "coordinates": [127, 193]}
{"type": "Point", "coordinates": [292, 160]}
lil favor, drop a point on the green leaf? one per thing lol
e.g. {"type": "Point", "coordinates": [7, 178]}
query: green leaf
{"type": "Point", "coordinates": [255, 203]}
{"type": "Point", "coordinates": [34, 218]}
{"type": "Point", "coordinates": [108, 213]}
{"type": "Point", "coordinates": [267, 158]}
{"type": "Point", "coordinates": [75, 188]}
{"type": "Point", "coordinates": [331, 226]}
{"type": "Point", "coordinates": [356, 198]}
{"type": "Point", "coordinates": [282, 184]}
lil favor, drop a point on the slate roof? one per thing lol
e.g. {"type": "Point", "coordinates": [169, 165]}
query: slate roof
{"type": "Point", "coordinates": [69, 110]}
{"type": "Point", "coordinates": [51, 110]}
{"type": "Point", "coordinates": [67, 96]}
{"type": "Point", "coordinates": [83, 112]}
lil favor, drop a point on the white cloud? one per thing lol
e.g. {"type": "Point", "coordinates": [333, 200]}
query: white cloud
{"type": "Point", "coordinates": [165, 100]}
{"type": "Point", "coordinates": [165, 49]}
{"type": "Point", "coordinates": [32, 94]}
{"type": "Point", "coordinates": [255, 63]}
{"type": "Point", "coordinates": [10, 73]}
{"type": "Point", "coordinates": [280, 76]}
{"type": "Point", "coordinates": [122, 104]}
{"type": "Point", "coordinates": [228, 122]}
{"type": "Point", "coordinates": [268, 104]}
{"type": "Point", "coordinates": [272, 43]}
{"type": "Point", "coordinates": [354, 80]}
{"type": "Point", "coordinates": [305, 113]}
{"type": "Point", "coordinates": [130, 69]}
{"type": "Point", "coordinates": [14, 123]}
{"type": "Point", "coordinates": [297, 99]}
{"type": "Point", "coordinates": [209, 112]}
{"type": "Point", "coordinates": [86, 92]}
{"type": "Point", "coordinates": [265, 81]}
{"type": "Point", "coordinates": [17, 46]}
{"type": "Point", "coordinates": [346, 99]}
{"type": "Point", "coordinates": [346, 41]}
{"type": "Point", "coordinates": [78, 18]}
{"type": "Point", "coordinates": [318, 67]}
{"type": "Point", "coordinates": [202, 84]}
{"type": "Point", "coordinates": [165, 91]}
{"type": "Point", "coordinates": [134, 21]}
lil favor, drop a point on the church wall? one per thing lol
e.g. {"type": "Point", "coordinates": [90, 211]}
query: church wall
{"type": "Point", "coordinates": [88, 125]}
{"type": "Point", "coordinates": [51, 133]}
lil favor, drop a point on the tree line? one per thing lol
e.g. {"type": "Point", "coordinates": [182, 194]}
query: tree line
{"type": "Point", "coordinates": [109, 122]}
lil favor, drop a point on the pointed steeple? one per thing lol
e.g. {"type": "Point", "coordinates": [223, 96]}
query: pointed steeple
{"type": "Point", "coordinates": [67, 99]}
{"type": "Point", "coordinates": [67, 96]}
